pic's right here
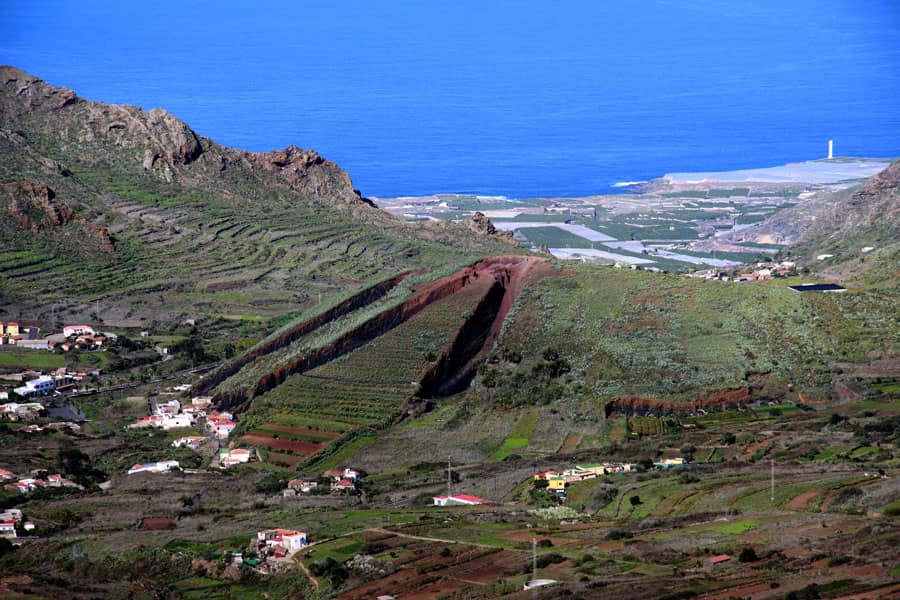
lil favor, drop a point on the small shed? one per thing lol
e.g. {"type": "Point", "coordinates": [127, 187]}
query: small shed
{"type": "Point", "coordinates": [716, 561]}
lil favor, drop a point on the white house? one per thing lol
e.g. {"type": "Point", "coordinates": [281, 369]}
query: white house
{"type": "Point", "coordinates": [192, 441]}
{"type": "Point", "coordinates": [11, 514]}
{"type": "Point", "coordinates": [171, 407]}
{"type": "Point", "coordinates": [37, 387]}
{"type": "Point", "coordinates": [155, 467]}
{"type": "Point", "coordinates": [458, 500]}
{"type": "Point", "coordinates": [229, 458]}
{"type": "Point", "coordinates": [291, 540]}
{"type": "Point", "coordinates": [8, 528]}
{"type": "Point", "coordinates": [70, 330]}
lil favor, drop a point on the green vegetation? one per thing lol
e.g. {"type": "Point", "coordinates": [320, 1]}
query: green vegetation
{"type": "Point", "coordinates": [18, 358]}
{"type": "Point", "coordinates": [519, 437]}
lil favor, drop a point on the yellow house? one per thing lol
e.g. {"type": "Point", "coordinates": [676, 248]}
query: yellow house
{"type": "Point", "coordinates": [12, 328]}
{"type": "Point", "coordinates": [556, 484]}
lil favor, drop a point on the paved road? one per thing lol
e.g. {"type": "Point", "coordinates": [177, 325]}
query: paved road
{"type": "Point", "coordinates": [126, 386]}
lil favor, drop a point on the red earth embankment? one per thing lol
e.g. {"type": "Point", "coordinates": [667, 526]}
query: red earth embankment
{"type": "Point", "coordinates": [636, 405]}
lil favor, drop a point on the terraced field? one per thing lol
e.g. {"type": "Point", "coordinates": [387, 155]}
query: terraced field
{"type": "Point", "coordinates": [367, 388]}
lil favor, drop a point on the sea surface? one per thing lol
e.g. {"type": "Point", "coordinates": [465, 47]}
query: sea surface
{"type": "Point", "coordinates": [508, 97]}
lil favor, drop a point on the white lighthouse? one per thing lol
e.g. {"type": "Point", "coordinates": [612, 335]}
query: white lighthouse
{"type": "Point", "coordinates": [830, 149]}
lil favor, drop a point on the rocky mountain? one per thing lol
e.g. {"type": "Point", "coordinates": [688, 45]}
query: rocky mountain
{"type": "Point", "coordinates": [134, 209]}
{"type": "Point", "coordinates": [840, 223]}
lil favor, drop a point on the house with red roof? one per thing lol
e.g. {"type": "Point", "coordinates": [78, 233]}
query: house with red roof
{"type": "Point", "coordinates": [459, 500]}
{"type": "Point", "coordinates": [288, 539]}
{"type": "Point", "coordinates": [8, 528]}
{"type": "Point", "coordinates": [229, 458]}
{"type": "Point", "coordinates": [716, 561]}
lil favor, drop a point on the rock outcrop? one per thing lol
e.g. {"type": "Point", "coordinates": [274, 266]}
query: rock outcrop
{"type": "Point", "coordinates": [481, 225]}
{"type": "Point", "coordinates": [134, 140]}
{"type": "Point", "coordinates": [36, 208]}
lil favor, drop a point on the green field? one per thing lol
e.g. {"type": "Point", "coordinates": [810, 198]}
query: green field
{"type": "Point", "coordinates": [519, 437]}
{"type": "Point", "coordinates": [18, 358]}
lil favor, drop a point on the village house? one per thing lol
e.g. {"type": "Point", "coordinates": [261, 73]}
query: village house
{"type": "Point", "coordinates": [281, 542]}
{"type": "Point", "coordinates": [23, 487]}
{"type": "Point", "coordinates": [221, 424]}
{"type": "Point", "coordinates": [76, 330]}
{"type": "Point", "coordinates": [8, 528]}
{"type": "Point", "coordinates": [459, 500]}
{"type": "Point", "coordinates": [13, 514]}
{"type": "Point", "coordinates": [41, 386]}
{"type": "Point", "coordinates": [716, 561]}
{"type": "Point", "coordinates": [155, 467]}
{"type": "Point", "coordinates": [15, 411]}
{"type": "Point", "coordinates": [6, 475]}
{"type": "Point", "coordinates": [668, 463]}
{"type": "Point", "coordinates": [300, 486]}
{"type": "Point", "coordinates": [29, 484]}
{"type": "Point", "coordinates": [191, 441]}
{"type": "Point", "coordinates": [229, 458]}
{"type": "Point", "coordinates": [165, 422]}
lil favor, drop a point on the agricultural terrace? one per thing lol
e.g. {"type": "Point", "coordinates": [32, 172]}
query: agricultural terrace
{"type": "Point", "coordinates": [367, 388]}
{"type": "Point", "coordinates": [250, 374]}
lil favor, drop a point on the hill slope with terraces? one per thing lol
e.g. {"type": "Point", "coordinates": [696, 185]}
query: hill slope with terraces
{"type": "Point", "coordinates": [134, 212]}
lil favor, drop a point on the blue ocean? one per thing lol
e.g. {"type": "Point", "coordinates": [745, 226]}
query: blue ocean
{"type": "Point", "coordinates": [517, 98]}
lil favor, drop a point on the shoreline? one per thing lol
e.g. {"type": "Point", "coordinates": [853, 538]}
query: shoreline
{"type": "Point", "coordinates": [839, 171]}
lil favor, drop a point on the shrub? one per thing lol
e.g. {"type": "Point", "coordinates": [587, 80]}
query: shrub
{"type": "Point", "coordinates": [619, 534]}
{"type": "Point", "coordinates": [748, 554]}
{"type": "Point", "coordinates": [545, 560]}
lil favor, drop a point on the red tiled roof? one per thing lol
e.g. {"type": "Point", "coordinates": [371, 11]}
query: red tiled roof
{"type": "Point", "coordinates": [719, 558]}
{"type": "Point", "coordinates": [469, 498]}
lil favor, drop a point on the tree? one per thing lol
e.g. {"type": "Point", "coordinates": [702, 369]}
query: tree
{"type": "Point", "coordinates": [748, 554]}
{"type": "Point", "coordinates": [728, 439]}
{"type": "Point", "coordinates": [635, 500]}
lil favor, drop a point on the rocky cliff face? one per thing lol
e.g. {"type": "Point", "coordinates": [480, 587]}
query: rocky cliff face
{"type": "Point", "coordinates": [840, 223]}
{"type": "Point", "coordinates": [58, 122]}
{"type": "Point", "coordinates": [35, 207]}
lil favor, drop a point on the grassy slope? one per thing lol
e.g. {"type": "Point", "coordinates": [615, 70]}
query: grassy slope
{"type": "Point", "coordinates": [627, 333]}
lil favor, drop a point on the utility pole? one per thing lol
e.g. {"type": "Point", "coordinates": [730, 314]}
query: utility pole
{"type": "Point", "coordinates": [773, 480]}
{"type": "Point", "coordinates": [533, 566]}
{"type": "Point", "coordinates": [448, 479]}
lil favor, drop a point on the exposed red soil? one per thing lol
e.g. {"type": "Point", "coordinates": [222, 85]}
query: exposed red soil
{"type": "Point", "coordinates": [570, 444]}
{"type": "Point", "coordinates": [739, 591]}
{"type": "Point", "coordinates": [294, 430]}
{"type": "Point", "coordinates": [526, 536]}
{"type": "Point", "coordinates": [289, 460]}
{"type": "Point", "coordinates": [864, 572]}
{"type": "Point", "coordinates": [888, 591]}
{"type": "Point", "coordinates": [156, 524]}
{"type": "Point", "coordinates": [636, 405]}
{"type": "Point", "coordinates": [500, 565]}
{"type": "Point", "coordinates": [296, 446]}
{"type": "Point", "coordinates": [801, 501]}
{"type": "Point", "coordinates": [751, 449]}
